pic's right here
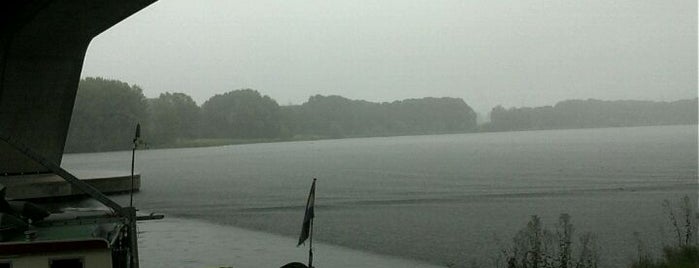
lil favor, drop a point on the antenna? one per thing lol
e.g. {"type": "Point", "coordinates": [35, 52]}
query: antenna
{"type": "Point", "coordinates": [133, 158]}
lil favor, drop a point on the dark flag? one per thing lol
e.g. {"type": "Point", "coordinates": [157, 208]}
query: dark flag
{"type": "Point", "coordinates": [308, 217]}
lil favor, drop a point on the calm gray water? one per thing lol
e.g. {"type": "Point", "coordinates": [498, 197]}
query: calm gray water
{"type": "Point", "coordinates": [440, 199]}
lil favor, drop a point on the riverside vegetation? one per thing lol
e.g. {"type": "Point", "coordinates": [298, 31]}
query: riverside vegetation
{"type": "Point", "coordinates": [683, 252]}
{"type": "Point", "coordinates": [536, 246]}
{"type": "Point", "coordinates": [106, 111]}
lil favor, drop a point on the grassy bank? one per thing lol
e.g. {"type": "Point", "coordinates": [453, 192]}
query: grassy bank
{"type": "Point", "coordinates": [211, 142]}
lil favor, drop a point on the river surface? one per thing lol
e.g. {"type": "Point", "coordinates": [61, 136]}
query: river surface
{"type": "Point", "coordinates": [439, 199]}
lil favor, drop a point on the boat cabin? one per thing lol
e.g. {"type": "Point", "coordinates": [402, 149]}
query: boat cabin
{"type": "Point", "coordinates": [31, 236]}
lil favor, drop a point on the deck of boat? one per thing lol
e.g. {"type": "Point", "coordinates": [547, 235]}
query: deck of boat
{"type": "Point", "coordinates": [41, 186]}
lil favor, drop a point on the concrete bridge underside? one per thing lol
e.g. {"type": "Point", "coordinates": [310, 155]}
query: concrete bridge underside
{"type": "Point", "coordinates": [42, 47]}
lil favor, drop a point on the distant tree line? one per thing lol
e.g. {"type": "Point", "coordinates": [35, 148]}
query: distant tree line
{"type": "Point", "coordinates": [106, 111]}
{"type": "Point", "coordinates": [336, 116]}
{"type": "Point", "coordinates": [593, 113]}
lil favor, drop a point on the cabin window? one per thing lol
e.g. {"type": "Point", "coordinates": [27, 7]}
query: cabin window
{"type": "Point", "coordinates": [5, 264]}
{"type": "Point", "coordinates": [66, 263]}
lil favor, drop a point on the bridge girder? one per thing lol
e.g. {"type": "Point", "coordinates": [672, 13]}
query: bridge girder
{"type": "Point", "coordinates": [42, 48]}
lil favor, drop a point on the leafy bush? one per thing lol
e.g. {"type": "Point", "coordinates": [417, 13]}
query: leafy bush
{"type": "Point", "coordinates": [685, 253]}
{"type": "Point", "coordinates": [537, 247]}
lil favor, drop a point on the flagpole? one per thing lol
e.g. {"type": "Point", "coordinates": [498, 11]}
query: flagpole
{"type": "Point", "coordinates": [310, 246]}
{"type": "Point", "coordinates": [310, 232]}
{"type": "Point", "coordinates": [307, 228]}
{"type": "Point", "coordinates": [133, 159]}
{"type": "Point", "coordinates": [133, 233]}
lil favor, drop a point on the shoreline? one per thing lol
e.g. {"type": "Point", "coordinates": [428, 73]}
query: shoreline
{"type": "Point", "coordinates": [205, 143]}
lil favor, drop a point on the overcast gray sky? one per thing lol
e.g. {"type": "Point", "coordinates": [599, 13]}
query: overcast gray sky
{"type": "Point", "coordinates": [488, 52]}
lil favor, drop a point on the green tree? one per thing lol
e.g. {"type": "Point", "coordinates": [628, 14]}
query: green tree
{"type": "Point", "coordinates": [173, 116]}
{"type": "Point", "coordinates": [241, 114]}
{"type": "Point", "coordinates": [336, 116]}
{"type": "Point", "coordinates": [105, 115]}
